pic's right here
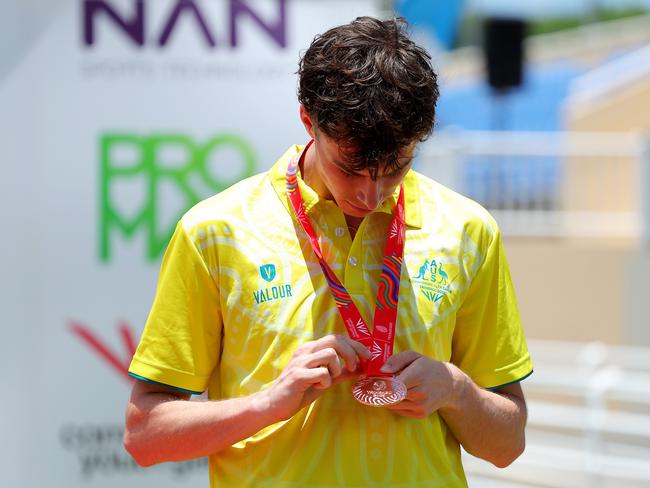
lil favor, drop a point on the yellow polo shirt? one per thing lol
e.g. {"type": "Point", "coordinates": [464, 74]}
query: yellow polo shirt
{"type": "Point", "coordinates": [240, 289]}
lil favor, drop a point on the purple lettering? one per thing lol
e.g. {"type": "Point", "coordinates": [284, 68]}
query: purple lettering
{"type": "Point", "coordinates": [134, 26]}
{"type": "Point", "coordinates": [185, 5]}
{"type": "Point", "coordinates": [277, 30]}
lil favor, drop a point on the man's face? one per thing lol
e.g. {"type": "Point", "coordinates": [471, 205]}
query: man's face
{"type": "Point", "coordinates": [355, 192]}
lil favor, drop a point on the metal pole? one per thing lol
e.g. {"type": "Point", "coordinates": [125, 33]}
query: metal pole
{"type": "Point", "coordinates": [591, 359]}
{"type": "Point", "coordinates": [645, 191]}
{"type": "Point", "coordinates": [386, 9]}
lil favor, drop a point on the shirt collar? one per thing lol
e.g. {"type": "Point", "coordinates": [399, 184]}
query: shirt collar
{"type": "Point", "coordinates": [278, 172]}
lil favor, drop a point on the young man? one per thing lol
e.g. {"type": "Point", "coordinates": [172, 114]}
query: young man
{"type": "Point", "coordinates": [260, 285]}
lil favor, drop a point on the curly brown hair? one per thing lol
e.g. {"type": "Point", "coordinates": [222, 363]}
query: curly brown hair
{"type": "Point", "coordinates": [371, 89]}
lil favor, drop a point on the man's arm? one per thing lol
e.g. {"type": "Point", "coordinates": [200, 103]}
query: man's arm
{"type": "Point", "coordinates": [161, 425]}
{"type": "Point", "coordinates": [488, 424]}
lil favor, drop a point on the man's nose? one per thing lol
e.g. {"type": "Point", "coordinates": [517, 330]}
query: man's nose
{"type": "Point", "coordinates": [369, 193]}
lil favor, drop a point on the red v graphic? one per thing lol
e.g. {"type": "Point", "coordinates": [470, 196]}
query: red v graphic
{"type": "Point", "coordinates": [120, 365]}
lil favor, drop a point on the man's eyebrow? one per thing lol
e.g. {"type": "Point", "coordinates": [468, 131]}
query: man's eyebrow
{"type": "Point", "coordinates": [392, 172]}
{"type": "Point", "coordinates": [399, 168]}
{"type": "Point", "coordinates": [343, 167]}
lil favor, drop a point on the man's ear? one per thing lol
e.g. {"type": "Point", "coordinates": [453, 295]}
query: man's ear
{"type": "Point", "coordinates": [305, 118]}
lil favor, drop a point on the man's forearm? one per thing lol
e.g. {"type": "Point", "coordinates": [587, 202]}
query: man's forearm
{"type": "Point", "coordinates": [161, 425]}
{"type": "Point", "coordinates": [489, 425]}
{"type": "Point", "coordinates": [180, 430]}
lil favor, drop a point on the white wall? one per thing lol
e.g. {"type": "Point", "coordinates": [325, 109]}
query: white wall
{"type": "Point", "coordinates": [63, 401]}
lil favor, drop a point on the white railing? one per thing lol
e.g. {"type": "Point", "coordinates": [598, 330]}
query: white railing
{"type": "Point", "coordinates": [589, 420]}
{"type": "Point", "coordinates": [520, 178]}
{"type": "Point", "coordinates": [610, 77]}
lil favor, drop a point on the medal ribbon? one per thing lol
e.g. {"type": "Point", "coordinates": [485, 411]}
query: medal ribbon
{"type": "Point", "coordinates": [380, 341]}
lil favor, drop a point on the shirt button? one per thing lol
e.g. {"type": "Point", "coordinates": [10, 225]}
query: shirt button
{"type": "Point", "coordinates": [353, 261]}
{"type": "Point", "coordinates": [340, 232]}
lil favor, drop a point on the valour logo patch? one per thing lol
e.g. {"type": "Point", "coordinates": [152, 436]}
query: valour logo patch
{"type": "Point", "coordinates": [433, 280]}
{"type": "Point", "coordinates": [268, 272]}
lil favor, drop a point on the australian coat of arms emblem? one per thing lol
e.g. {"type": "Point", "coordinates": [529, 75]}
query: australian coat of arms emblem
{"type": "Point", "coordinates": [433, 280]}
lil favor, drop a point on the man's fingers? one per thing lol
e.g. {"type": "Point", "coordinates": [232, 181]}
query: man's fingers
{"type": "Point", "coordinates": [319, 378]}
{"type": "Point", "coordinates": [327, 358]}
{"type": "Point", "coordinates": [408, 412]}
{"type": "Point", "coordinates": [412, 376]}
{"type": "Point", "coordinates": [347, 376]}
{"type": "Point", "coordinates": [408, 408]}
{"type": "Point", "coordinates": [399, 361]}
{"type": "Point", "coordinates": [416, 393]}
{"type": "Point", "coordinates": [352, 352]}
{"type": "Point", "coordinates": [403, 406]}
{"type": "Point", "coordinates": [345, 350]}
{"type": "Point", "coordinates": [349, 350]}
{"type": "Point", "coordinates": [362, 351]}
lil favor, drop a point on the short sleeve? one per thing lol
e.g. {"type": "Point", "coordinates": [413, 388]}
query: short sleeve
{"type": "Point", "coordinates": [488, 342]}
{"type": "Point", "coordinates": [180, 344]}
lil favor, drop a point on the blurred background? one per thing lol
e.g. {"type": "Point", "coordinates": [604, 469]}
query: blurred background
{"type": "Point", "coordinates": [117, 115]}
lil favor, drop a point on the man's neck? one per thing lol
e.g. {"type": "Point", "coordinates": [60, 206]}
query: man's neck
{"type": "Point", "coordinates": [353, 224]}
{"type": "Point", "coordinates": [310, 173]}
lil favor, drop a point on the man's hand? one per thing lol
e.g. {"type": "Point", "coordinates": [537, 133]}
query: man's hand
{"type": "Point", "coordinates": [488, 424]}
{"type": "Point", "coordinates": [430, 384]}
{"type": "Point", "coordinates": [314, 367]}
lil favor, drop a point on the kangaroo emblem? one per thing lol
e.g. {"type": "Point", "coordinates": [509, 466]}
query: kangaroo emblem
{"type": "Point", "coordinates": [433, 280]}
{"type": "Point", "coordinates": [423, 269]}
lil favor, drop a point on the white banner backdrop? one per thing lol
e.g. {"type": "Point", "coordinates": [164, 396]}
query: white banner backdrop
{"type": "Point", "coordinates": [115, 117]}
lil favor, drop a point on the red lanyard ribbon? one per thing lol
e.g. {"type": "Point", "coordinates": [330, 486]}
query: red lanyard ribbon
{"type": "Point", "coordinates": [380, 341]}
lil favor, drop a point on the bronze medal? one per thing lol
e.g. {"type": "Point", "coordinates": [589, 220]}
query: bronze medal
{"type": "Point", "coordinates": [379, 391]}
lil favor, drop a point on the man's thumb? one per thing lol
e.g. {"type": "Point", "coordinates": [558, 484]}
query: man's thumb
{"type": "Point", "coordinates": [398, 362]}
